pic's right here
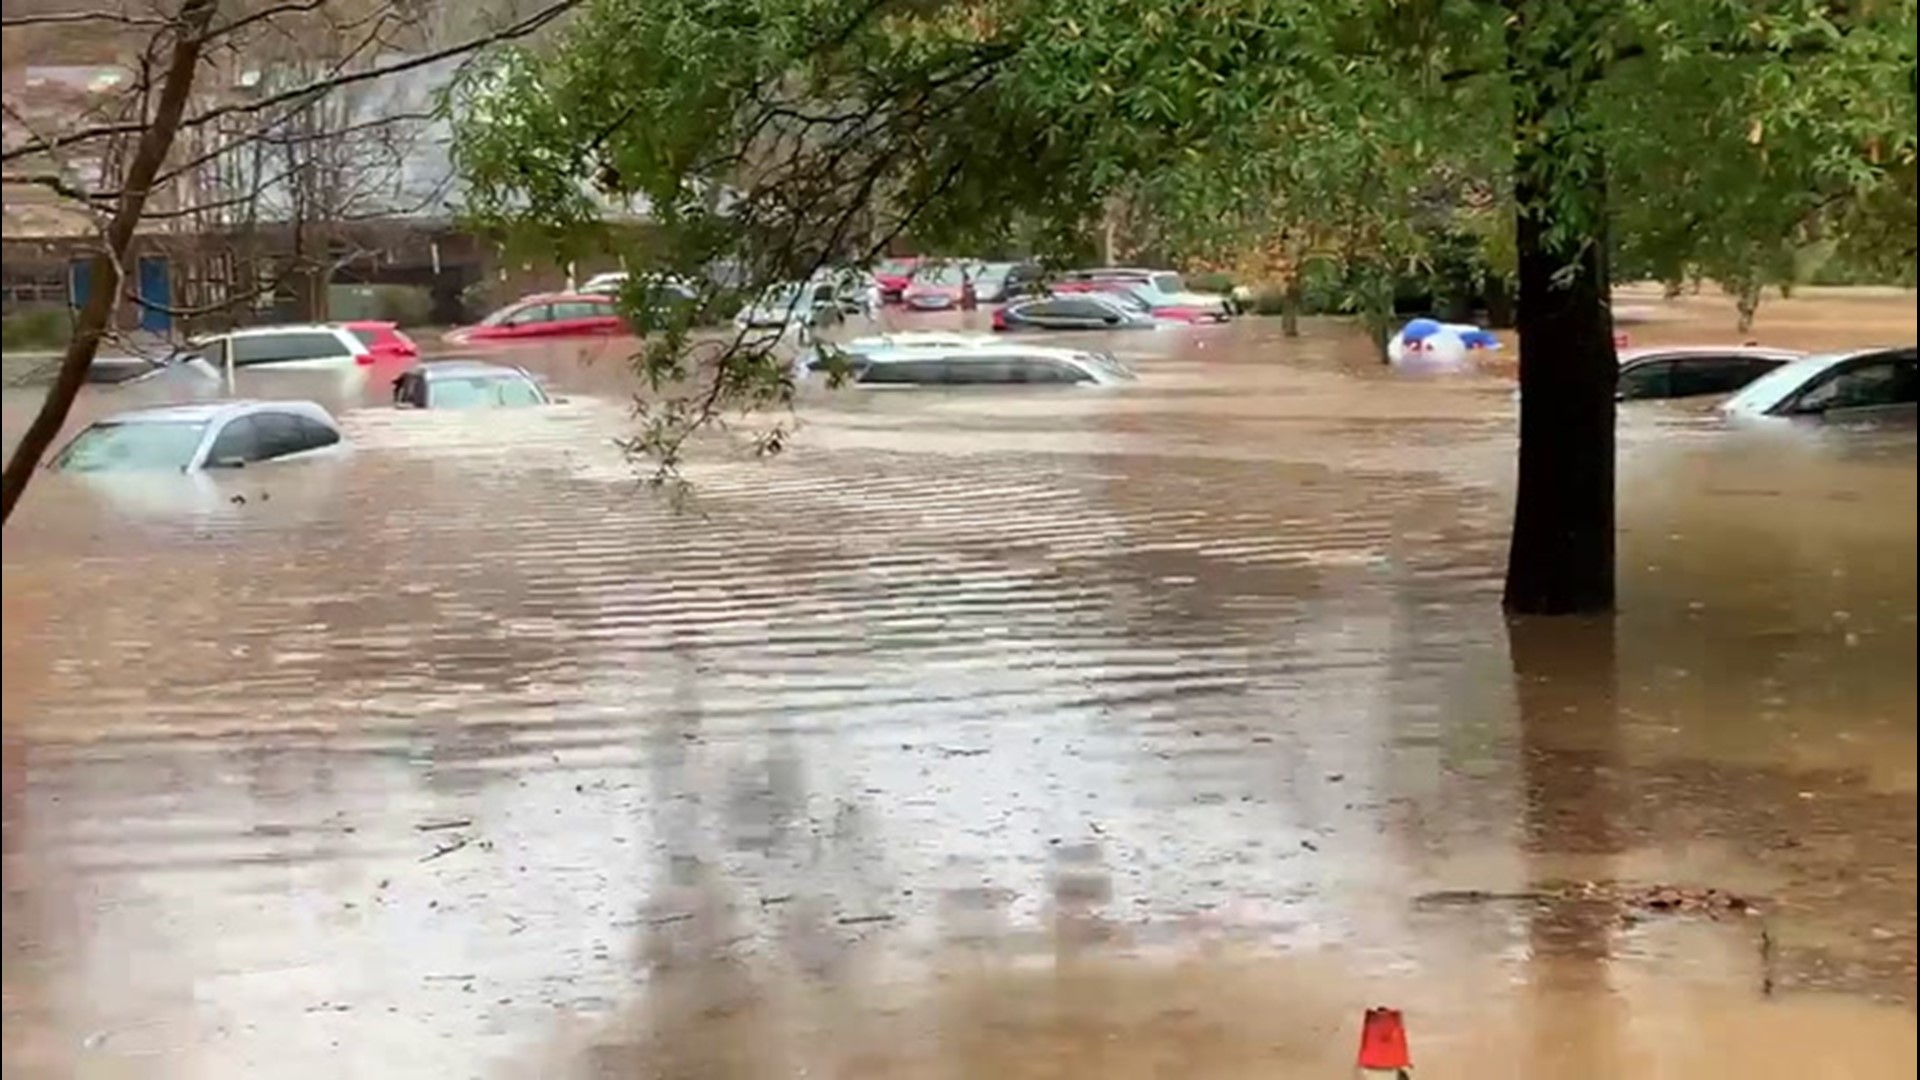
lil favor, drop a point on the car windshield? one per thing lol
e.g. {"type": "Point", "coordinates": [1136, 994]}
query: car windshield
{"type": "Point", "coordinates": [1770, 389]}
{"type": "Point", "coordinates": [896, 267]}
{"type": "Point", "coordinates": [1169, 283]}
{"type": "Point", "coordinates": [949, 276]}
{"type": "Point", "coordinates": [484, 392]}
{"type": "Point", "coordinates": [133, 445]}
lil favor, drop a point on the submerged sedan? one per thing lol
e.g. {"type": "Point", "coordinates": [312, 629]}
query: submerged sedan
{"type": "Point", "coordinates": [1076, 311]}
{"type": "Point", "coordinates": [189, 438]}
{"type": "Point", "coordinates": [1865, 385]}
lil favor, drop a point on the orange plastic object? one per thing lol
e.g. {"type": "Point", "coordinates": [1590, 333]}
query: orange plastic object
{"type": "Point", "coordinates": [1383, 1041]}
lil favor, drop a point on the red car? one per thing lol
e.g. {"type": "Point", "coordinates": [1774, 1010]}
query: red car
{"type": "Point", "coordinates": [545, 318]}
{"type": "Point", "coordinates": [384, 342]}
{"type": "Point", "coordinates": [1171, 313]}
{"type": "Point", "coordinates": [893, 276]}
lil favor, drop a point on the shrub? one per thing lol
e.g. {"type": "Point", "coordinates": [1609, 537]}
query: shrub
{"type": "Point", "coordinates": [43, 328]}
{"type": "Point", "coordinates": [403, 304]}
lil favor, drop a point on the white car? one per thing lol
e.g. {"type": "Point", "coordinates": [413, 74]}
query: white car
{"type": "Point", "coordinates": [314, 346]}
{"type": "Point", "coordinates": [215, 435]}
{"type": "Point", "coordinates": [1867, 384]}
{"type": "Point", "coordinates": [990, 364]}
{"type": "Point", "coordinates": [1695, 370]}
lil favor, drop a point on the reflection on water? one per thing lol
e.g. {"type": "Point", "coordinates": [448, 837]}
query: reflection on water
{"type": "Point", "coordinates": [1031, 735]}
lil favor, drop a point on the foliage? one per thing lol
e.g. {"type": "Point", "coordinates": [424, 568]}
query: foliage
{"type": "Point", "coordinates": [42, 328]}
{"type": "Point", "coordinates": [1373, 134]}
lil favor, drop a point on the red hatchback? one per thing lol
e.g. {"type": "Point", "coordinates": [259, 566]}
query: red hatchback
{"type": "Point", "coordinates": [384, 342]}
{"type": "Point", "coordinates": [544, 318]}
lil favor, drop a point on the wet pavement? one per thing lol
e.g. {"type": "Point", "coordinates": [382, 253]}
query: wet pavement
{"type": "Point", "coordinates": [1019, 734]}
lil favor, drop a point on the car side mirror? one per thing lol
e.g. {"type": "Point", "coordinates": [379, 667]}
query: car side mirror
{"type": "Point", "coordinates": [227, 463]}
{"type": "Point", "coordinates": [1111, 320]}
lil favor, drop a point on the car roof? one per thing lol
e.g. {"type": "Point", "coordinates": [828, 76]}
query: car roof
{"type": "Point", "coordinates": [459, 368]}
{"type": "Point", "coordinates": [269, 331]}
{"type": "Point", "coordinates": [978, 351]}
{"type": "Point", "coordinates": [206, 411]}
{"type": "Point", "coordinates": [1642, 352]}
{"type": "Point", "coordinates": [1140, 270]}
{"type": "Point", "coordinates": [556, 297]}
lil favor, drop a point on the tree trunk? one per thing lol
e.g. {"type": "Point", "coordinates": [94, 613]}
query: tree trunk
{"type": "Point", "coordinates": [1290, 300]}
{"type": "Point", "coordinates": [1500, 309]}
{"type": "Point", "coordinates": [189, 35]}
{"type": "Point", "coordinates": [1561, 561]}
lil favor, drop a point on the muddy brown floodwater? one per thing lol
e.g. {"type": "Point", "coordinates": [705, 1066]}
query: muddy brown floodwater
{"type": "Point", "coordinates": [1135, 734]}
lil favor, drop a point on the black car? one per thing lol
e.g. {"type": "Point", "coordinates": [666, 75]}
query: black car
{"type": "Point", "coordinates": [1075, 311]}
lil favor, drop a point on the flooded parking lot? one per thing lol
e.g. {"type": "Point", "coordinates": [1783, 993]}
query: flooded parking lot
{"type": "Point", "coordinates": [1035, 734]}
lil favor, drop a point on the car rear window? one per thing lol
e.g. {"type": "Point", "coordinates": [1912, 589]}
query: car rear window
{"type": "Point", "coordinates": [482, 392]}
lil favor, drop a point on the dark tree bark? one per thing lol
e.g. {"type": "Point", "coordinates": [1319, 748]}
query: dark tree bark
{"type": "Point", "coordinates": [1290, 302]}
{"type": "Point", "coordinates": [189, 37]}
{"type": "Point", "coordinates": [1561, 561]}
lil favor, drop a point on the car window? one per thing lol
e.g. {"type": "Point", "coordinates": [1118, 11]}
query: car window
{"type": "Point", "coordinates": [1867, 384]}
{"type": "Point", "coordinates": [278, 434]}
{"type": "Point", "coordinates": [1695, 376]}
{"type": "Point", "coordinates": [908, 372]}
{"type": "Point", "coordinates": [529, 315]}
{"type": "Point", "coordinates": [1653, 379]}
{"type": "Point", "coordinates": [1039, 309]}
{"type": "Point", "coordinates": [281, 348]}
{"type": "Point", "coordinates": [367, 337]}
{"type": "Point", "coordinates": [1090, 307]}
{"type": "Point", "coordinates": [581, 309]}
{"type": "Point", "coordinates": [1168, 283]}
{"type": "Point", "coordinates": [238, 441]}
{"type": "Point", "coordinates": [109, 447]}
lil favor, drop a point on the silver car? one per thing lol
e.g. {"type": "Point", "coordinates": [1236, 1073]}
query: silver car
{"type": "Point", "coordinates": [1864, 385]}
{"type": "Point", "coordinates": [215, 435]}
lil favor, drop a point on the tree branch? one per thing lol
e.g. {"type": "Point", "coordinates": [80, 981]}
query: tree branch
{"type": "Point", "coordinates": [513, 31]}
{"type": "Point", "coordinates": [155, 142]}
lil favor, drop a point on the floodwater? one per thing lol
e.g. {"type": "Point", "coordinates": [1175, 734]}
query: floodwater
{"type": "Point", "coordinates": [1015, 734]}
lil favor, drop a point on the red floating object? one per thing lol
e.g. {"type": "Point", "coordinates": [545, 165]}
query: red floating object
{"type": "Point", "coordinates": [1383, 1041]}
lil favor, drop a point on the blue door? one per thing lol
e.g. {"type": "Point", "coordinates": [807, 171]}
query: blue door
{"type": "Point", "coordinates": [79, 282]}
{"type": "Point", "coordinates": [156, 294]}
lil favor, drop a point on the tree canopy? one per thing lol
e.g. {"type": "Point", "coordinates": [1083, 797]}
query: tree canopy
{"type": "Point", "coordinates": [782, 134]}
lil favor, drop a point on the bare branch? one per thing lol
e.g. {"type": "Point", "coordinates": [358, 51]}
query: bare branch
{"type": "Point", "coordinates": [513, 31]}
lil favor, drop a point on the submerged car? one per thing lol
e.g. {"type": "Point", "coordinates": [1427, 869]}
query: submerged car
{"type": "Point", "coordinates": [994, 364]}
{"type": "Point", "coordinates": [1075, 311]}
{"type": "Point", "coordinates": [189, 438]}
{"type": "Point", "coordinates": [313, 346]}
{"type": "Point", "coordinates": [1695, 370]}
{"type": "Point", "coordinates": [939, 287]}
{"type": "Point", "coordinates": [816, 302]}
{"type": "Point", "coordinates": [1000, 282]}
{"type": "Point", "coordinates": [546, 317]}
{"type": "Point", "coordinates": [893, 276]}
{"type": "Point", "coordinates": [1184, 313]}
{"type": "Point", "coordinates": [1158, 289]}
{"type": "Point", "coordinates": [385, 342]}
{"type": "Point", "coordinates": [1863, 385]}
{"type": "Point", "coordinates": [466, 384]}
